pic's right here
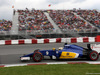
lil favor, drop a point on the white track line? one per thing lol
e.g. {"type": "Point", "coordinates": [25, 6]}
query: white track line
{"type": "Point", "coordinates": [52, 63]}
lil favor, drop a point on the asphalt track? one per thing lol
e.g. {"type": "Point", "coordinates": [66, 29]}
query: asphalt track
{"type": "Point", "coordinates": [10, 54]}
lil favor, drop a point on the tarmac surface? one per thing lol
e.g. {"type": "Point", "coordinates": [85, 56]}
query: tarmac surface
{"type": "Point", "coordinates": [10, 54]}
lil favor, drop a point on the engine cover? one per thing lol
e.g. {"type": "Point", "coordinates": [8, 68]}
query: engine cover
{"type": "Point", "coordinates": [65, 55]}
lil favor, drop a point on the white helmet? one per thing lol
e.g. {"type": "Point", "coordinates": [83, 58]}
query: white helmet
{"type": "Point", "coordinates": [60, 48]}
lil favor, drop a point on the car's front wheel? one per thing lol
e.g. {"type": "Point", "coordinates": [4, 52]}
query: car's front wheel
{"type": "Point", "coordinates": [93, 55]}
{"type": "Point", "coordinates": [37, 56]}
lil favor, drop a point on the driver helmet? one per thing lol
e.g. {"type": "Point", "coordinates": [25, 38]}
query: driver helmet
{"type": "Point", "coordinates": [60, 48]}
{"type": "Point", "coordinates": [53, 49]}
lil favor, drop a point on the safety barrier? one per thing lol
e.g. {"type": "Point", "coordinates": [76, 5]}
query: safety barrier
{"type": "Point", "coordinates": [98, 38]}
{"type": "Point", "coordinates": [51, 40]}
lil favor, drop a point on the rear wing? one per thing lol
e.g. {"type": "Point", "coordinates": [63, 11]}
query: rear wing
{"type": "Point", "coordinates": [96, 47]}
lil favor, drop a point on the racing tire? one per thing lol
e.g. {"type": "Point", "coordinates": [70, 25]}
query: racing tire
{"type": "Point", "coordinates": [37, 56]}
{"type": "Point", "coordinates": [37, 50]}
{"type": "Point", "coordinates": [93, 55]}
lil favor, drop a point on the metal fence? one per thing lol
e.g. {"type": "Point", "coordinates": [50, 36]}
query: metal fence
{"type": "Point", "coordinates": [50, 31]}
{"type": "Point", "coordinates": [5, 33]}
{"type": "Point", "coordinates": [80, 31]}
{"type": "Point", "coordinates": [35, 32]}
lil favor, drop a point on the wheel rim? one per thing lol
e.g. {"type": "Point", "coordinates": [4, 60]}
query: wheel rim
{"type": "Point", "coordinates": [94, 55]}
{"type": "Point", "coordinates": [37, 56]}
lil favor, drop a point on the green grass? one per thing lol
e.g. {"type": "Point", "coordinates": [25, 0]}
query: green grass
{"type": "Point", "coordinates": [64, 69]}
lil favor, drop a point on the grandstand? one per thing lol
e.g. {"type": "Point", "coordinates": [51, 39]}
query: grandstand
{"type": "Point", "coordinates": [51, 23]}
{"type": "Point", "coordinates": [92, 16]}
{"type": "Point", "coordinates": [66, 20]}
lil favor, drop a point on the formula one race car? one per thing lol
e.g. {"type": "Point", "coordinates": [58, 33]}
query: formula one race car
{"type": "Point", "coordinates": [68, 52]}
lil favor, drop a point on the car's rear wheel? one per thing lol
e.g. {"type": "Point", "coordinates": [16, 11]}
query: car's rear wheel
{"type": "Point", "coordinates": [37, 56]}
{"type": "Point", "coordinates": [93, 55]}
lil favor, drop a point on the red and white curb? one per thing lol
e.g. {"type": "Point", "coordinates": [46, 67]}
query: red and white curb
{"type": "Point", "coordinates": [53, 40]}
{"type": "Point", "coordinates": [52, 63]}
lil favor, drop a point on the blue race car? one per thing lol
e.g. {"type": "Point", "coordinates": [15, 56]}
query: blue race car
{"type": "Point", "coordinates": [68, 52]}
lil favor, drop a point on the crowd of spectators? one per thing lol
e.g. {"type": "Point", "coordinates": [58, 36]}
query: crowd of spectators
{"type": "Point", "coordinates": [5, 25]}
{"type": "Point", "coordinates": [33, 20]}
{"type": "Point", "coordinates": [93, 16]}
{"type": "Point", "coordinates": [66, 20]}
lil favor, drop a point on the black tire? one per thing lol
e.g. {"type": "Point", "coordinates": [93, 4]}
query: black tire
{"type": "Point", "coordinates": [37, 56]}
{"type": "Point", "coordinates": [37, 50]}
{"type": "Point", "coordinates": [93, 55]}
